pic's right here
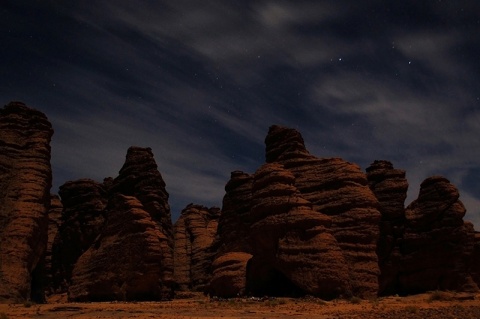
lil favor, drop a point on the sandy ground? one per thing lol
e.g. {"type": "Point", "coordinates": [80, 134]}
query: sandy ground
{"type": "Point", "coordinates": [433, 305]}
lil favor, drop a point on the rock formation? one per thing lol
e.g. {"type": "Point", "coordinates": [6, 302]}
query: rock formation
{"type": "Point", "coordinates": [54, 222]}
{"type": "Point", "coordinates": [294, 250]}
{"type": "Point", "coordinates": [25, 182]}
{"type": "Point", "coordinates": [340, 190]}
{"type": "Point", "coordinates": [330, 193]}
{"type": "Point", "coordinates": [437, 245]}
{"type": "Point", "coordinates": [194, 233]}
{"type": "Point", "coordinates": [232, 250]}
{"type": "Point", "coordinates": [126, 262]}
{"type": "Point", "coordinates": [475, 265]}
{"type": "Point", "coordinates": [390, 187]}
{"type": "Point", "coordinates": [84, 202]}
{"type": "Point", "coordinates": [132, 258]}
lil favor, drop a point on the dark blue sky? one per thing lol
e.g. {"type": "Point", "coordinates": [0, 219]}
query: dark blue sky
{"type": "Point", "coordinates": [200, 82]}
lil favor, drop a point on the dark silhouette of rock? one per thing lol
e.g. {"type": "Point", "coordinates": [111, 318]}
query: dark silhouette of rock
{"type": "Point", "coordinates": [25, 182]}
{"type": "Point", "coordinates": [194, 234]}
{"type": "Point", "coordinates": [340, 190]}
{"type": "Point", "coordinates": [390, 187]}
{"type": "Point", "coordinates": [54, 222]}
{"type": "Point", "coordinates": [294, 250]}
{"type": "Point", "coordinates": [132, 258]}
{"type": "Point", "coordinates": [437, 245]}
{"type": "Point", "coordinates": [84, 202]}
{"type": "Point", "coordinates": [475, 265]}
{"type": "Point", "coordinates": [126, 261]}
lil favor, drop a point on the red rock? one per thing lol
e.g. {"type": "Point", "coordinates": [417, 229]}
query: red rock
{"type": "Point", "coordinates": [25, 181]}
{"type": "Point", "coordinates": [475, 265]}
{"type": "Point", "coordinates": [84, 202]}
{"type": "Point", "coordinates": [132, 258]}
{"type": "Point", "coordinates": [340, 190]}
{"type": "Point", "coordinates": [126, 262]}
{"type": "Point", "coordinates": [390, 187]}
{"type": "Point", "coordinates": [294, 250]}
{"type": "Point", "coordinates": [229, 274]}
{"type": "Point", "coordinates": [54, 222]}
{"type": "Point", "coordinates": [437, 245]}
{"type": "Point", "coordinates": [194, 234]}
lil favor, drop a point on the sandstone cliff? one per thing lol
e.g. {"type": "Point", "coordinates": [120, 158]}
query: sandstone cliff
{"type": "Point", "coordinates": [194, 233]}
{"type": "Point", "coordinates": [132, 258]}
{"type": "Point", "coordinates": [54, 222]}
{"type": "Point", "coordinates": [84, 202]}
{"type": "Point", "coordinates": [25, 182]}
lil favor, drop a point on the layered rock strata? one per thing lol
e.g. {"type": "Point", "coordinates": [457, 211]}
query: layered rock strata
{"type": "Point", "coordinates": [132, 258]}
{"type": "Point", "coordinates": [294, 252]}
{"type": "Point", "coordinates": [25, 182]}
{"type": "Point", "coordinates": [54, 222]}
{"type": "Point", "coordinates": [84, 202]}
{"type": "Point", "coordinates": [437, 245]}
{"type": "Point", "coordinates": [338, 189]}
{"type": "Point", "coordinates": [194, 233]}
{"type": "Point", "coordinates": [390, 187]}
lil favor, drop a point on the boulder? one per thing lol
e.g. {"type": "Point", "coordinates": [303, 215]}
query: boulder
{"type": "Point", "coordinates": [25, 182]}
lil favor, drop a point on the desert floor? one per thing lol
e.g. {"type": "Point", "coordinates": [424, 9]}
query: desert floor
{"type": "Point", "coordinates": [432, 305]}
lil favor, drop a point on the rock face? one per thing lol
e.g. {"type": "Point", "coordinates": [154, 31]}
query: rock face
{"type": "Point", "coordinates": [390, 187]}
{"type": "Point", "coordinates": [437, 245]}
{"type": "Point", "coordinates": [294, 250]}
{"type": "Point", "coordinates": [84, 202]}
{"type": "Point", "coordinates": [132, 258]}
{"type": "Point", "coordinates": [475, 265]}
{"type": "Point", "coordinates": [338, 189]}
{"type": "Point", "coordinates": [194, 233]}
{"type": "Point", "coordinates": [342, 228]}
{"type": "Point", "coordinates": [125, 263]}
{"type": "Point", "coordinates": [25, 182]}
{"type": "Point", "coordinates": [54, 222]}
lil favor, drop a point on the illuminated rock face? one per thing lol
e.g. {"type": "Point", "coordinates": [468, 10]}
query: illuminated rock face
{"type": "Point", "coordinates": [332, 194]}
{"type": "Point", "coordinates": [25, 182]}
{"type": "Point", "coordinates": [194, 233]}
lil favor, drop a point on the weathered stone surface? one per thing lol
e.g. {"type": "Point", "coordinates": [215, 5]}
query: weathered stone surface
{"type": "Point", "coordinates": [340, 190]}
{"type": "Point", "coordinates": [133, 255]}
{"type": "Point", "coordinates": [126, 262]}
{"type": "Point", "coordinates": [194, 234]}
{"type": "Point", "coordinates": [437, 245]}
{"type": "Point", "coordinates": [84, 202]}
{"type": "Point", "coordinates": [25, 182]}
{"type": "Point", "coordinates": [390, 187]}
{"type": "Point", "coordinates": [233, 225]}
{"type": "Point", "coordinates": [294, 250]}
{"type": "Point", "coordinates": [475, 265]}
{"type": "Point", "coordinates": [229, 274]}
{"type": "Point", "coordinates": [54, 222]}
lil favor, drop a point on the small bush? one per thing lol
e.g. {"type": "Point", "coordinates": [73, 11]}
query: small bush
{"type": "Point", "coordinates": [3, 315]}
{"type": "Point", "coordinates": [355, 300]}
{"type": "Point", "coordinates": [439, 296]}
{"type": "Point", "coordinates": [412, 309]}
{"type": "Point", "coordinates": [27, 304]}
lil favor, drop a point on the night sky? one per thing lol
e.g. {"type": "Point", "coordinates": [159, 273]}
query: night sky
{"type": "Point", "coordinates": [200, 82]}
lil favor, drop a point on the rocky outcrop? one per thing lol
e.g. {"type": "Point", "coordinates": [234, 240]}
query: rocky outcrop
{"type": "Point", "coordinates": [25, 182]}
{"type": "Point", "coordinates": [437, 245]}
{"type": "Point", "coordinates": [132, 258]}
{"type": "Point", "coordinates": [390, 187]}
{"type": "Point", "coordinates": [54, 222]}
{"type": "Point", "coordinates": [294, 251]}
{"type": "Point", "coordinates": [229, 277]}
{"type": "Point", "coordinates": [475, 265]}
{"type": "Point", "coordinates": [84, 202]}
{"type": "Point", "coordinates": [340, 190]}
{"type": "Point", "coordinates": [194, 233]}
